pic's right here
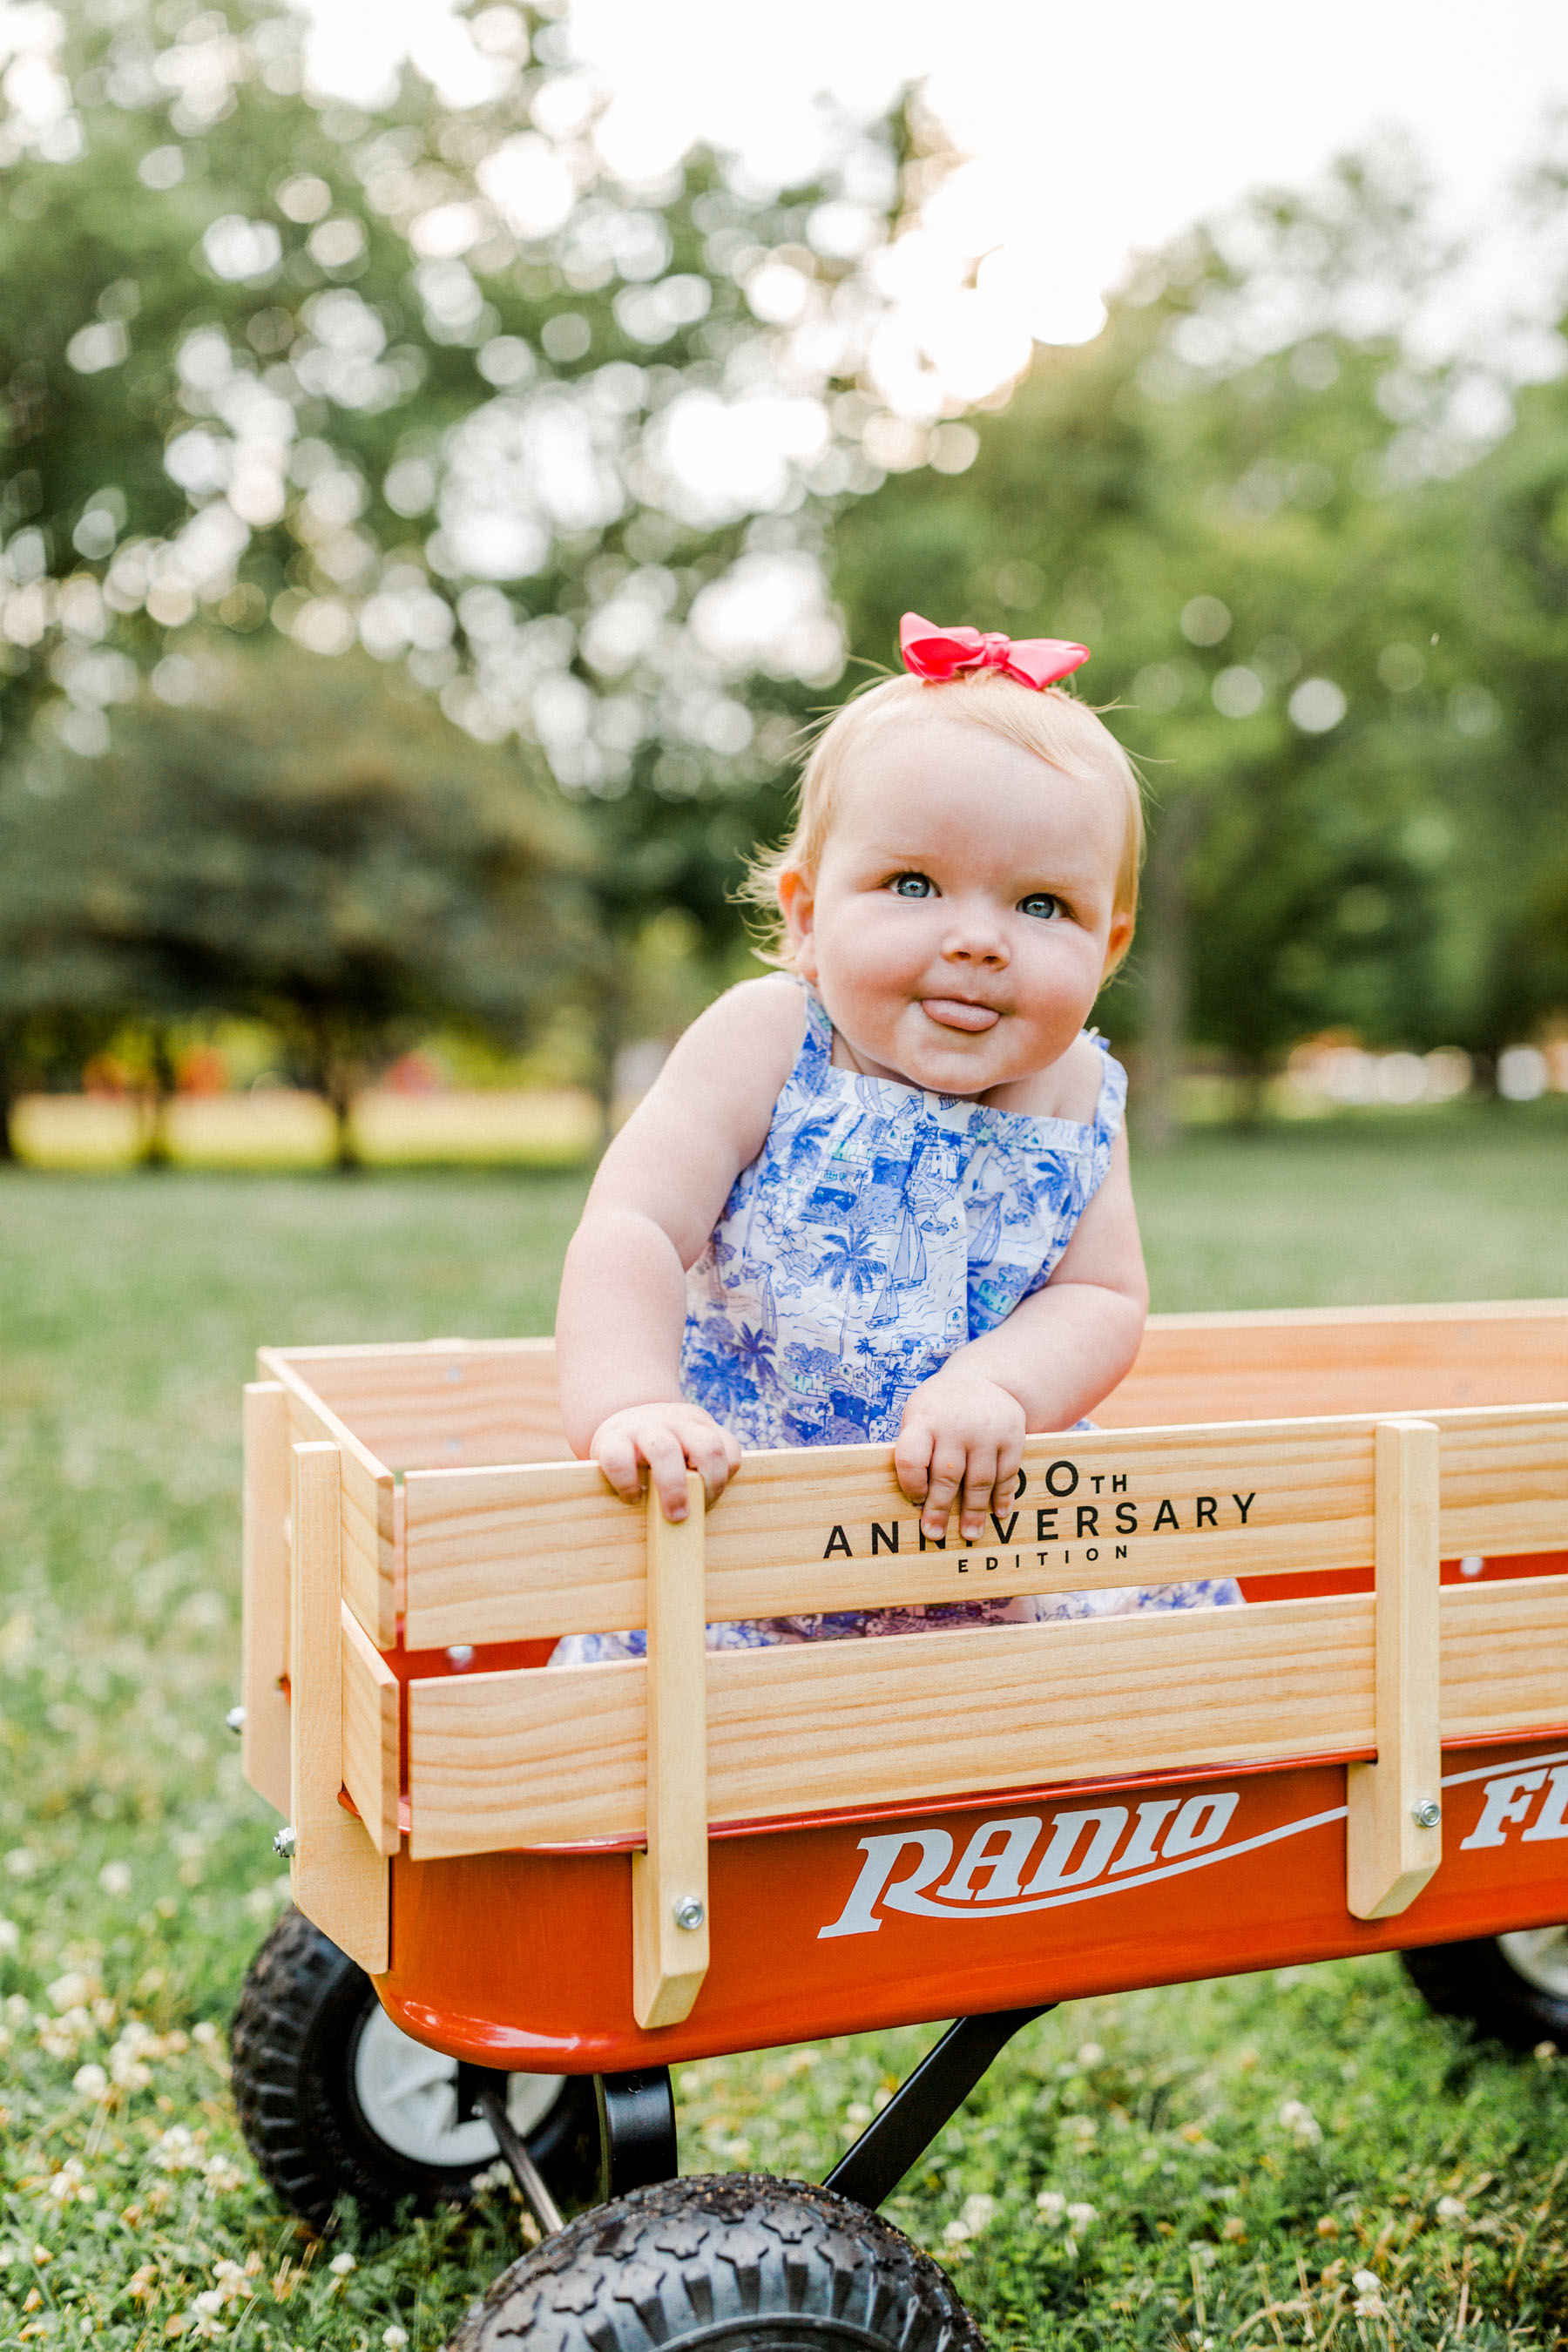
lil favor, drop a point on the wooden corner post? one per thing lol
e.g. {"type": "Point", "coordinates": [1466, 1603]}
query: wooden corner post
{"type": "Point", "coordinates": [340, 1880]}
{"type": "Point", "coordinates": [669, 1881]}
{"type": "Point", "coordinates": [1394, 1808]}
{"type": "Point", "coordinates": [264, 1580]}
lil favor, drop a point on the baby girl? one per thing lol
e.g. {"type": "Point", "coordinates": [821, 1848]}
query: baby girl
{"type": "Point", "coordinates": [883, 1195]}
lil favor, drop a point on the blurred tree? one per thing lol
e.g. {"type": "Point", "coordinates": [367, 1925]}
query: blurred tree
{"type": "Point", "coordinates": [1238, 495]}
{"type": "Point", "coordinates": [294, 844]}
{"type": "Point", "coordinates": [553, 441]}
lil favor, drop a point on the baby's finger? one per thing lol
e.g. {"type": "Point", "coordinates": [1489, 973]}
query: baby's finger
{"type": "Point", "coordinates": [911, 1461]}
{"type": "Point", "coordinates": [946, 1474]}
{"type": "Point", "coordinates": [1009, 1460]}
{"type": "Point", "coordinates": [979, 1485]}
{"type": "Point", "coordinates": [617, 1458]}
{"type": "Point", "coordinates": [666, 1459]}
{"type": "Point", "coordinates": [715, 1457]}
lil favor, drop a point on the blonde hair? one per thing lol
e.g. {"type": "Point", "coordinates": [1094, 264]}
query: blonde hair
{"type": "Point", "coordinates": [1057, 727]}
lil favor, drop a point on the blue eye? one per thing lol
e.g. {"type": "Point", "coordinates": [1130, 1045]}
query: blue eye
{"type": "Point", "coordinates": [912, 885]}
{"type": "Point", "coordinates": [1040, 904]}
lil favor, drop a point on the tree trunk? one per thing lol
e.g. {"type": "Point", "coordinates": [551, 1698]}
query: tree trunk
{"type": "Point", "coordinates": [346, 1156]}
{"type": "Point", "coordinates": [1163, 939]}
{"type": "Point", "coordinates": [8, 1139]}
{"type": "Point", "coordinates": [156, 1151]}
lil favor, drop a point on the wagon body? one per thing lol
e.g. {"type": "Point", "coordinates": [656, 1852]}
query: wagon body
{"type": "Point", "coordinates": [893, 1830]}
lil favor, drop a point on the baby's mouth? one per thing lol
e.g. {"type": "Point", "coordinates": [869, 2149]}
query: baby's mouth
{"type": "Point", "coordinates": [952, 1012]}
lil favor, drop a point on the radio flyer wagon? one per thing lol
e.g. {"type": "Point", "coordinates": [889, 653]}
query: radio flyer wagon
{"type": "Point", "coordinates": [521, 1894]}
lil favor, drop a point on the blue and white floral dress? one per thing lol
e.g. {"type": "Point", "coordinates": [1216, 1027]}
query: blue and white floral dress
{"type": "Point", "coordinates": [878, 1228]}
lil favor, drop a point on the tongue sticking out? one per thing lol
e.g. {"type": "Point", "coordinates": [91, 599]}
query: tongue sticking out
{"type": "Point", "coordinates": [950, 1012]}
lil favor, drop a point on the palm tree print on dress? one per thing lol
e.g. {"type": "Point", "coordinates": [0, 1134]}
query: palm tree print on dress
{"type": "Point", "coordinates": [878, 1228]}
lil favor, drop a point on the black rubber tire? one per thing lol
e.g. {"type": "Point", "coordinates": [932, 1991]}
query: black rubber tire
{"type": "Point", "coordinates": [734, 2262]}
{"type": "Point", "coordinates": [296, 2030]}
{"type": "Point", "coordinates": [1478, 1983]}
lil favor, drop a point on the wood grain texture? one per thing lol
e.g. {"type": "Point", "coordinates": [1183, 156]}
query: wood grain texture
{"type": "Point", "coordinates": [1504, 1657]}
{"type": "Point", "coordinates": [505, 1759]}
{"type": "Point", "coordinates": [339, 1879]}
{"type": "Point", "coordinates": [438, 1403]}
{"type": "Point", "coordinates": [264, 1580]}
{"type": "Point", "coordinates": [1389, 1857]}
{"type": "Point", "coordinates": [669, 1961]}
{"type": "Point", "coordinates": [370, 1733]}
{"type": "Point", "coordinates": [519, 1553]}
{"type": "Point", "coordinates": [1332, 1359]}
{"type": "Point", "coordinates": [368, 1550]}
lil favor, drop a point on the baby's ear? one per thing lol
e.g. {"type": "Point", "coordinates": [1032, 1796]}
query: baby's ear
{"type": "Point", "coordinates": [1118, 942]}
{"type": "Point", "coordinates": [797, 903]}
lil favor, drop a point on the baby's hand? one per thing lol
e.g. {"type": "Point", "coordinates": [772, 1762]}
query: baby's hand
{"type": "Point", "coordinates": [668, 1438]}
{"type": "Point", "coordinates": [961, 1431]}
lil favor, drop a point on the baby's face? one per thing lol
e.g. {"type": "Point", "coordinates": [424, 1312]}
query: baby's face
{"type": "Point", "coordinates": [960, 924]}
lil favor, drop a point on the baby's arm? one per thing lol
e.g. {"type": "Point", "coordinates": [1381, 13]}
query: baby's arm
{"type": "Point", "coordinates": [1048, 1365]}
{"type": "Point", "coordinates": [654, 1203]}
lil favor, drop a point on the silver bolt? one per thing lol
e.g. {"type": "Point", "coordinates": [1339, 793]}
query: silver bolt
{"type": "Point", "coordinates": [460, 1657]}
{"type": "Point", "coordinates": [1427, 1813]}
{"type": "Point", "coordinates": [688, 1913]}
{"type": "Point", "coordinates": [283, 1843]}
{"type": "Point", "coordinates": [234, 1719]}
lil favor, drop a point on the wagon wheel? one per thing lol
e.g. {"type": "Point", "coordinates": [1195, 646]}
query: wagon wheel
{"type": "Point", "coordinates": [1510, 1988]}
{"type": "Point", "coordinates": [334, 2100]}
{"type": "Point", "coordinates": [734, 2263]}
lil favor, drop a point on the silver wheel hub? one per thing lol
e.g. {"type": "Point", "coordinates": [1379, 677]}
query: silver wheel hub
{"type": "Point", "coordinates": [408, 2097]}
{"type": "Point", "coordinates": [1540, 1954]}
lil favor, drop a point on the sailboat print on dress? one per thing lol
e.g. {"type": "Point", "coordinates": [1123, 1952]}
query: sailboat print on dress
{"type": "Point", "coordinates": [878, 1229]}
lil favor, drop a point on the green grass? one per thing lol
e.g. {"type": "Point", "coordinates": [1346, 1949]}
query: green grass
{"type": "Point", "coordinates": [137, 1874]}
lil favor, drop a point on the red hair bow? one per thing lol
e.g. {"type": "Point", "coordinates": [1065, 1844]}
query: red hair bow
{"type": "Point", "coordinates": [933, 653]}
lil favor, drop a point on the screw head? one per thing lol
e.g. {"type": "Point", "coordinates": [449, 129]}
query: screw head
{"type": "Point", "coordinates": [1427, 1813]}
{"type": "Point", "coordinates": [283, 1842]}
{"type": "Point", "coordinates": [234, 1719]}
{"type": "Point", "coordinates": [688, 1913]}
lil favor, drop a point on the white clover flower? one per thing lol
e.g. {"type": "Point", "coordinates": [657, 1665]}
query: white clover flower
{"type": "Point", "coordinates": [222, 2175]}
{"type": "Point", "coordinates": [10, 1938]}
{"type": "Point", "coordinates": [72, 1989]}
{"type": "Point", "coordinates": [1079, 2128]}
{"type": "Point", "coordinates": [1082, 2217]}
{"type": "Point", "coordinates": [1050, 2205]}
{"type": "Point", "coordinates": [1452, 2209]}
{"type": "Point", "coordinates": [205, 2035]}
{"type": "Point", "coordinates": [1368, 2307]}
{"type": "Point", "coordinates": [91, 2081]}
{"type": "Point", "coordinates": [342, 2264]}
{"type": "Point", "coordinates": [394, 2338]}
{"type": "Point", "coordinates": [956, 2233]}
{"type": "Point", "coordinates": [978, 2212]}
{"type": "Point", "coordinates": [177, 2150]}
{"type": "Point", "coordinates": [1366, 2282]}
{"type": "Point", "coordinates": [1302, 2123]}
{"type": "Point", "coordinates": [115, 1879]}
{"type": "Point", "coordinates": [1091, 2054]}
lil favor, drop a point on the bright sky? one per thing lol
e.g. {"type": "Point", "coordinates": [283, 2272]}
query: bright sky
{"type": "Point", "coordinates": [1095, 129]}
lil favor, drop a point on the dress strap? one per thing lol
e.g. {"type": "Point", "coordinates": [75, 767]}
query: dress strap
{"type": "Point", "coordinates": [1111, 1105]}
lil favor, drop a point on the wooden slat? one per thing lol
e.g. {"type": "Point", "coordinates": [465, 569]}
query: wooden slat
{"type": "Point", "coordinates": [437, 1403]}
{"type": "Point", "coordinates": [669, 1961]}
{"type": "Point", "coordinates": [369, 1555]}
{"type": "Point", "coordinates": [1332, 1359]}
{"type": "Point", "coordinates": [517, 1554]}
{"type": "Point", "coordinates": [1505, 1657]}
{"type": "Point", "coordinates": [370, 1733]}
{"type": "Point", "coordinates": [505, 1759]}
{"type": "Point", "coordinates": [1390, 1854]}
{"type": "Point", "coordinates": [512, 1759]}
{"type": "Point", "coordinates": [339, 1879]}
{"type": "Point", "coordinates": [264, 1574]}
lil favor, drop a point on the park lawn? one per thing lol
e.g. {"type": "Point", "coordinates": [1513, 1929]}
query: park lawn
{"type": "Point", "coordinates": [137, 1877]}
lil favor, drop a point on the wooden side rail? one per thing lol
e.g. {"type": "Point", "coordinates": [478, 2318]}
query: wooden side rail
{"type": "Point", "coordinates": [529, 1758]}
{"type": "Point", "coordinates": [1393, 1827]}
{"type": "Point", "coordinates": [669, 1881]}
{"type": "Point", "coordinates": [485, 1547]}
{"type": "Point", "coordinates": [365, 1504]}
{"type": "Point", "coordinates": [339, 1879]}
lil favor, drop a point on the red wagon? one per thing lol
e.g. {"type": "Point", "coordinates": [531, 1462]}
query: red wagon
{"type": "Point", "coordinates": [523, 1895]}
